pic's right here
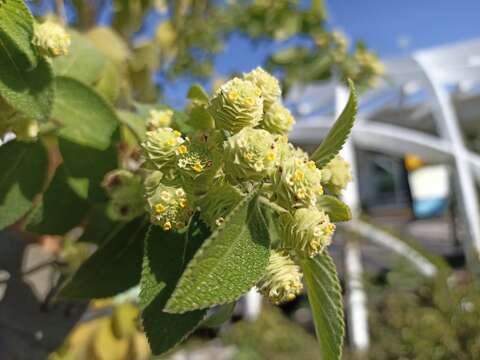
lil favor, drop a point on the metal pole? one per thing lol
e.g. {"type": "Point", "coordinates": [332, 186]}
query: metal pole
{"type": "Point", "coordinates": [357, 312]}
{"type": "Point", "coordinates": [449, 129]}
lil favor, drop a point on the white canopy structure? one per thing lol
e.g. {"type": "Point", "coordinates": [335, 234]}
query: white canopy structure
{"type": "Point", "coordinates": [428, 104]}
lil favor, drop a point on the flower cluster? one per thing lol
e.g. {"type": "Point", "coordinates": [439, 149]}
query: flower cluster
{"type": "Point", "coordinates": [210, 171]}
{"type": "Point", "coordinates": [125, 190]}
{"type": "Point", "coordinates": [51, 39]}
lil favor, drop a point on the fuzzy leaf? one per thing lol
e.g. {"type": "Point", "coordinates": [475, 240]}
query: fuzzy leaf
{"type": "Point", "coordinates": [336, 209]}
{"type": "Point", "coordinates": [86, 118]}
{"type": "Point", "coordinates": [16, 26]}
{"type": "Point", "coordinates": [338, 134]}
{"type": "Point", "coordinates": [228, 264]}
{"type": "Point", "coordinates": [113, 268]}
{"type": "Point", "coordinates": [28, 91]}
{"type": "Point", "coordinates": [61, 208]}
{"type": "Point", "coordinates": [24, 168]}
{"type": "Point", "coordinates": [165, 257]}
{"type": "Point", "coordinates": [324, 295]}
{"type": "Point", "coordinates": [83, 61]}
{"type": "Point", "coordinates": [87, 165]}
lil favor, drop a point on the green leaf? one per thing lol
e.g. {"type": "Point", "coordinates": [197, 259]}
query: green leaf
{"type": "Point", "coordinates": [87, 166]}
{"type": "Point", "coordinates": [113, 268]}
{"type": "Point", "coordinates": [336, 209]}
{"type": "Point", "coordinates": [24, 169]}
{"type": "Point", "coordinates": [228, 264]}
{"type": "Point", "coordinates": [220, 316]}
{"type": "Point", "coordinates": [109, 83]}
{"type": "Point", "coordinates": [98, 226]}
{"type": "Point", "coordinates": [197, 93]}
{"type": "Point", "coordinates": [134, 122]}
{"type": "Point", "coordinates": [61, 209]}
{"type": "Point", "coordinates": [165, 257]}
{"type": "Point", "coordinates": [338, 134]}
{"type": "Point", "coordinates": [86, 118]}
{"type": "Point", "coordinates": [83, 61]}
{"type": "Point", "coordinates": [28, 91]}
{"type": "Point", "coordinates": [325, 297]}
{"type": "Point", "coordinates": [16, 27]}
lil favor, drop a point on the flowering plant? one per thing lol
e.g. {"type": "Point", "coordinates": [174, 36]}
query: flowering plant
{"type": "Point", "coordinates": [216, 201]}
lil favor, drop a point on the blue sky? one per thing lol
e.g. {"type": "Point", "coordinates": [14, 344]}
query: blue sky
{"type": "Point", "coordinates": [382, 24]}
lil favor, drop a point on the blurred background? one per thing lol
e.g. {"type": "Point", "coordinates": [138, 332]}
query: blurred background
{"type": "Point", "coordinates": [408, 261]}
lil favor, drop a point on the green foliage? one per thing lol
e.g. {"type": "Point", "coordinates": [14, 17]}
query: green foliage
{"type": "Point", "coordinates": [94, 102]}
{"type": "Point", "coordinates": [22, 177]}
{"type": "Point", "coordinates": [61, 208]}
{"type": "Point", "coordinates": [325, 297]}
{"type": "Point", "coordinates": [113, 268]}
{"type": "Point", "coordinates": [85, 117]}
{"type": "Point", "coordinates": [83, 61]}
{"type": "Point", "coordinates": [220, 315]}
{"type": "Point", "coordinates": [16, 28]}
{"type": "Point", "coordinates": [338, 134]}
{"type": "Point", "coordinates": [271, 336]}
{"type": "Point", "coordinates": [413, 317]}
{"type": "Point", "coordinates": [221, 262]}
{"type": "Point", "coordinates": [335, 208]}
{"type": "Point", "coordinates": [88, 165]}
{"type": "Point", "coordinates": [165, 258]}
{"type": "Point", "coordinates": [28, 91]}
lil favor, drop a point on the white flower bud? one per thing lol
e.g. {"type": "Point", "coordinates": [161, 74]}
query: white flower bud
{"type": "Point", "coordinates": [268, 85]}
{"type": "Point", "coordinates": [51, 39]}
{"type": "Point", "coordinates": [336, 175]}
{"type": "Point", "coordinates": [297, 181]}
{"type": "Point", "coordinates": [161, 145]}
{"type": "Point", "coordinates": [277, 119]}
{"type": "Point", "coordinates": [308, 231]}
{"type": "Point", "coordinates": [169, 207]}
{"type": "Point", "coordinates": [250, 154]}
{"type": "Point", "coordinates": [159, 119]}
{"type": "Point", "coordinates": [236, 105]}
{"type": "Point", "coordinates": [282, 281]}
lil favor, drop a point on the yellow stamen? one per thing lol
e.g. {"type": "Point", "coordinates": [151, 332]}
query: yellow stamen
{"type": "Point", "coordinates": [270, 156]}
{"type": "Point", "coordinates": [183, 203]}
{"type": "Point", "coordinates": [167, 226]}
{"type": "Point", "coordinates": [298, 176]}
{"type": "Point", "coordinates": [198, 167]}
{"type": "Point", "coordinates": [159, 208]}
{"type": "Point", "coordinates": [182, 149]}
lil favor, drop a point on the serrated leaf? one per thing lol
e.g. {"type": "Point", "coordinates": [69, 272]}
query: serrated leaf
{"type": "Point", "coordinates": [61, 208]}
{"type": "Point", "coordinates": [28, 91]}
{"type": "Point", "coordinates": [87, 166]}
{"type": "Point", "coordinates": [197, 93]}
{"type": "Point", "coordinates": [86, 118]}
{"type": "Point", "coordinates": [113, 268]}
{"type": "Point", "coordinates": [165, 257]}
{"type": "Point", "coordinates": [83, 61]}
{"type": "Point", "coordinates": [16, 27]}
{"type": "Point", "coordinates": [24, 169]}
{"type": "Point", "coordinates": [325, 297]}
{"type": "Point", "coordinates": [338, 134]}
{"type": "Point", "coordinates": [228, 264]}
{"type": "Point", "coordinates": [336, 209]}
